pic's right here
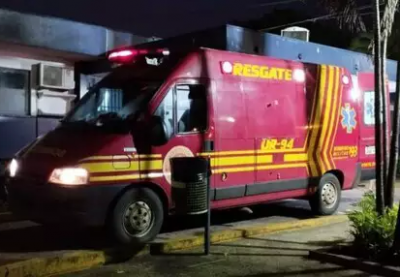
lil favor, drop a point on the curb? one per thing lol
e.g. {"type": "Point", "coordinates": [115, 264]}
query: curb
{"type": "Point", "coordinates": [354, 263]}
{"type": "Point", "coordinates": [244, 232]}
{"type": "Point", "coordinates": [54, 265]}
{"type": "Point", "coordinates": [73, 261]}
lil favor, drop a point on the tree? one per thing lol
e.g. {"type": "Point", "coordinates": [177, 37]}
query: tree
{"type": "Point", "coordinates": [394, 152]}
{"type": "Point", "coordinates": [346, 13]}
{"type": "Point", "coordinates": [379, 166]}
{"type": "Point", "coordinates": [386, 168]}
{"type": "Point", "coordinates": [348, 16]}
{"type": "Point", "coordinates": [387, 26]}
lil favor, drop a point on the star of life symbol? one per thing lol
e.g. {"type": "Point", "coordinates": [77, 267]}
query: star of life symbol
{"type": "Point", "coordinates": [348, 118]}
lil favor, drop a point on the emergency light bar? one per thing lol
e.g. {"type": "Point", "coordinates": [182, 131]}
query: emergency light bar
{"type": "Point", "coordinates": [128, 55]}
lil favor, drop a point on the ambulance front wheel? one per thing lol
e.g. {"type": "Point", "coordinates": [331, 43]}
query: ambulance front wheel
{"type": "Point", "coordinates": [137, 217]}
{"type": "Point", "coordinates": [326, 200]}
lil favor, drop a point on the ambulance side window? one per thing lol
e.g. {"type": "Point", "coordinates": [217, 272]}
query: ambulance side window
{"type": "Point", "coordinates": [166, 108]}
{"type": "Point", "coordinates": [369, 108]}
{"type": "Point", "coordinates": [191, 108]}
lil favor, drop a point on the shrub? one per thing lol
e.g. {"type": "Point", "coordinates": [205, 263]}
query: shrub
{"type": "Point", "coordinates": [373, 234]}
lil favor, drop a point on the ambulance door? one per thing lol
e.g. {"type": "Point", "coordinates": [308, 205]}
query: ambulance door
{"type": "Point", "coordinates": [367, 123]}
{"type": "Point", "coordinates": [234, 166]}
{"type": "Point", "coordinates": [367, 126]}
{"type": "Point", "coordinates": [184, 113]}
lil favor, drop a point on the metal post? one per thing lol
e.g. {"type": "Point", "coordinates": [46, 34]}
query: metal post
{"type": "Point", "coordinates": [208, 220]}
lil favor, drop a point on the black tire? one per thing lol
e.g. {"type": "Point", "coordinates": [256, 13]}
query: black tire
{"type": "Point", "coordinates": [322, 202]}
{"type": "Point", "coordinates": [122, 228]}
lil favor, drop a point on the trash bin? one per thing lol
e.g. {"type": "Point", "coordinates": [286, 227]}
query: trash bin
{"type": "Point", "coordinates": [189, 181]}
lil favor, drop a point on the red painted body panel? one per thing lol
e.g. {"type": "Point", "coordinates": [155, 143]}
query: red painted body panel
{"type": "Point", "coordinates": [267, 127]}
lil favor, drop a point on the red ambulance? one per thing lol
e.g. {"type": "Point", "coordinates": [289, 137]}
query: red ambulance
{"type": "Point", "coordinates": [273, 129]}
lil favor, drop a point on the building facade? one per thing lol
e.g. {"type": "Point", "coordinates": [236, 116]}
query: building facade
{"type": "Point", "coordinates": [37, 57]}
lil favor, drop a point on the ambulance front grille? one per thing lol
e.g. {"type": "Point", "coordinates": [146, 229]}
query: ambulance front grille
{"type": "Point", "coordinates": [32, 177]}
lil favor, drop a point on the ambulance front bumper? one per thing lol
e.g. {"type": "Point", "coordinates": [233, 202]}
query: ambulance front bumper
{"type": "Point", "coordinates": [52, 204]}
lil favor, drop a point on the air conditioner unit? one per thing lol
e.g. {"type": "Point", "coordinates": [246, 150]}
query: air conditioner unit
{"type": "Point", "coordinates": [296, 33]}
{"type": "Point", "coordinates": [54, 76]}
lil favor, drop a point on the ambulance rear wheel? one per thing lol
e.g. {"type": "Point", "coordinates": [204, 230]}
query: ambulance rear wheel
{"type": "Point", "coordinates": [137, 217]}
{"type": "Point", "coordinates": [326, 200]}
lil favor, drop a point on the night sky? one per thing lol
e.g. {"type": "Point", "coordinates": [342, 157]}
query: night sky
{"type": "Point", "coordinates": [160, 18]}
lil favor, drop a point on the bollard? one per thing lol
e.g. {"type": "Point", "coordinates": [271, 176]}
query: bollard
{"type": "Point", "coordinates": [190, 181]}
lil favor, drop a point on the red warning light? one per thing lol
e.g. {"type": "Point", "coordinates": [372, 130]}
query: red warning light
{"type": "Point", "coordinates": [128, 55]}
{"type": "Point", "coordinates": [122, 55]}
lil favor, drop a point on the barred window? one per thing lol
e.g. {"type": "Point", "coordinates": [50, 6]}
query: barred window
{"type": "Point", "coordinates": [14, 91]}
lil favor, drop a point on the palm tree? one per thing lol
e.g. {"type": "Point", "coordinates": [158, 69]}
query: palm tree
{"type": "Point", "coordinates": [346, 13]}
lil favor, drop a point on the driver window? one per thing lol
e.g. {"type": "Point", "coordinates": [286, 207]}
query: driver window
{"type": "Point", "coordinates": [191, 108]}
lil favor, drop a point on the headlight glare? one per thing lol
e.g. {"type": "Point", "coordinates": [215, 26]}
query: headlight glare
{"type": "Point", "coordinates": [13, 167]}
{"type": "Point", "coordinates": [69, 176]}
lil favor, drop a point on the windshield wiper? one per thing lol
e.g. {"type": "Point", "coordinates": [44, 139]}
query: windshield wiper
{"type": "Point", "coordinates": [107, 118]}
{"type": "Point", "coordinates": [75, 122]}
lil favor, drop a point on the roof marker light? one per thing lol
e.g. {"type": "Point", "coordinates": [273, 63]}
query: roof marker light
{"type": "Point", "coordinates": [299, 75]}
{"type": "Point", "coordinates": [345, 80]}
{"type": "Point", "coordinates": [165, 52]}
{"type": "Point", "coordinates": [227, 67]}
{"type": "Point", "coordinates": [143, 51]}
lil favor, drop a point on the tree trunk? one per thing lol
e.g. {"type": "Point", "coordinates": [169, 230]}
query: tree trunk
{"type": "Point", "coordinates": [378, 139]}
{"type": "Point", "coordinates": [394, 152]}
{"type": "Point", "coordinates": [394, 145]}
{"type": "Point", "coordinates": [385, 135]}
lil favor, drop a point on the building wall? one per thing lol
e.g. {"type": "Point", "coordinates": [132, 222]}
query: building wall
{"type": "Point", "coordinates": [26, 40]}
{"type": "Point", "coordinates": [60, 34]}
{"type": "Point", "coordinates": [19, 105]}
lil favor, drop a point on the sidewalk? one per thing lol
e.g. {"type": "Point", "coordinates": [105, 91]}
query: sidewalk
{"type": "Point", "coordinates": [45, 251]}
{"type": "Point", "coordinates": [283, 254]}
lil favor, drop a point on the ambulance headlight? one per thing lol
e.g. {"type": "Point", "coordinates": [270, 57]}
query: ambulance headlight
{"type": "Point", "coordinates": [69, 176]}
{"type": "Point", "coordinates": [13, 167]}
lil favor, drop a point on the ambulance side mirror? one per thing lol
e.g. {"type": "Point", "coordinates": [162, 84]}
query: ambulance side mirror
{"type": "Point", "coordinates": [160, 130]}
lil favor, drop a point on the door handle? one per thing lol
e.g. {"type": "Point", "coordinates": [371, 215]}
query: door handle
{"type": "Point", "coordinates": [209, 145]}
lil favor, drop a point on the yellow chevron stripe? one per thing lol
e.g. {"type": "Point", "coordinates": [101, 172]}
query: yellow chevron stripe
{"type": "Point", "coordinates": [313, 109]}
{"type": "Point", "coordinates": [326, 152]}
{"type": "Point", "coordinates": [325, 124]}
{"type": "Point", "coordinates": [337, 120]}
{"type": "Point", "coordinates": [316, 123]}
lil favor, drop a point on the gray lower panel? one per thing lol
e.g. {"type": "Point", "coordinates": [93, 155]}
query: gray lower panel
{"type": "Point", "coordinates": [262, 188]}
{"type": "Point", "coordinates": [229, 193]}
{"type": "Point", "coordinates": [279, 186]}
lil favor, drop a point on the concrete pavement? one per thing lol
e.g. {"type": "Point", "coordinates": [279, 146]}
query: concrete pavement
{"type": "Point", "coordinates": [283, 254]}
{"type": "Point", "coordinates": [25, 240]}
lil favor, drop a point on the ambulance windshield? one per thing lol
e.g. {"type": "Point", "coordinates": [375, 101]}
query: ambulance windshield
{"type": "Point", "coordinates": [116, 98]}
